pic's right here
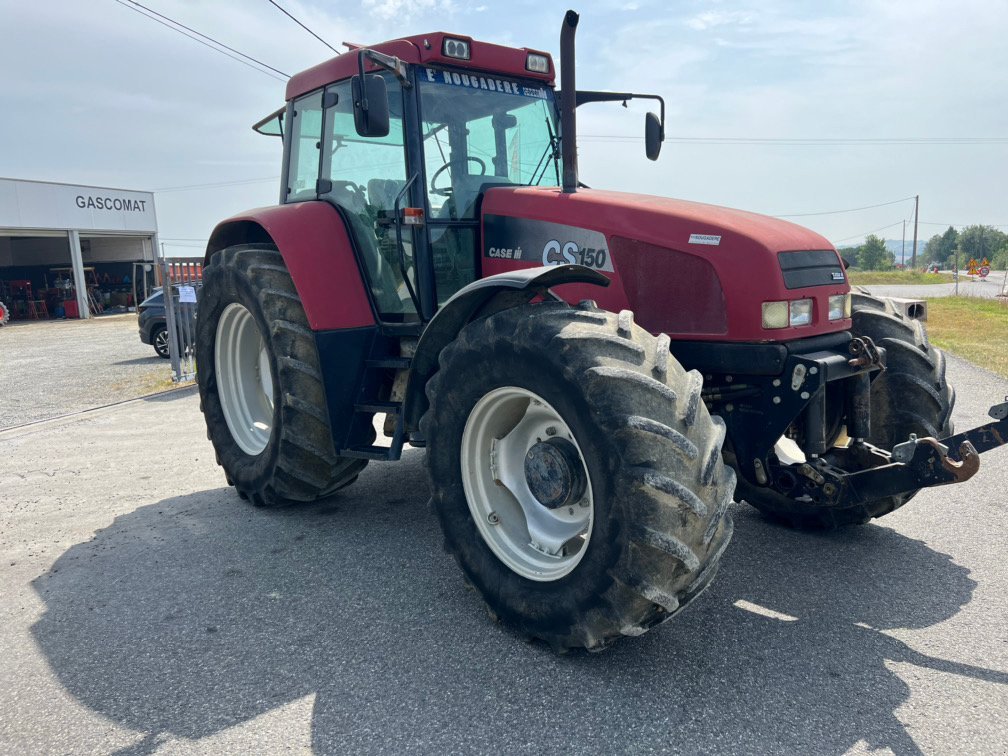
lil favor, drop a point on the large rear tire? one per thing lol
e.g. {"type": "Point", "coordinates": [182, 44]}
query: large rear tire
{"type": "Point", "coordinates": [261, 388]}
{"type": "Point", "coordinates": [640, 535]}
{"type": "Point", "coordinates": [911, 396]}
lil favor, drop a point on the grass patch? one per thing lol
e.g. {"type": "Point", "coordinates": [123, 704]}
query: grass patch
{"type": "Point", "coordinates": [148, 383]}
{"type": "Point", "coordinates": [970, 327]}
{"type": "Point", "coordinates": [869, 277]}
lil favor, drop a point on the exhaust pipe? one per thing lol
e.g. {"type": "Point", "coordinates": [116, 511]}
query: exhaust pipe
{"type": "Point", "coordinates": [568, 103]}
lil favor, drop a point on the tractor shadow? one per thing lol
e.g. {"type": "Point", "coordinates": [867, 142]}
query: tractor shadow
{"type": "Point", "coordinates": [199, 613]}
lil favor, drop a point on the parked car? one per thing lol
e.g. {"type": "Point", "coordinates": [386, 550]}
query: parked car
{"type": "Point", "coordinates": [154, 327]}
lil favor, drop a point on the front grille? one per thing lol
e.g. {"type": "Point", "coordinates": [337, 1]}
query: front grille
{"type": "Point", "coordinates": [812, 268]}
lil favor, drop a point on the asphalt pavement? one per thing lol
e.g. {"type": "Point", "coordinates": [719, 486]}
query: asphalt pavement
{"type": "Point", "coordinates": [144, 608]}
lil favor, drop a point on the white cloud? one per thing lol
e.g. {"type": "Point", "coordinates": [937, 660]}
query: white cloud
{"type": "Point", "coordinates": [715, 18]}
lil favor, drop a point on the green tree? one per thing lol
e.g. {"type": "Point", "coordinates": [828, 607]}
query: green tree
{"type": "Point", "coordinates": [940, 247]}
{"type": "Point", "coordinates": [873, 255]}
{"type": "Point", "coordinates": [850, 254]}
{"type": "Point", "coordinates": [999, 260]}
{"type": "Point", "coordinates": [980, 241]}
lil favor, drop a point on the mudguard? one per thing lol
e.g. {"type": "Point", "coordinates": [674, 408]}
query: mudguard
{"type": "Point", "coordinates": [478, 299]}
{"type": "Point", "coordinates": [313, 239]}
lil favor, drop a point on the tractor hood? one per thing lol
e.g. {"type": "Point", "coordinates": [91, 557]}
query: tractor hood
{"type": "Point", "coordinates": [688, 269]}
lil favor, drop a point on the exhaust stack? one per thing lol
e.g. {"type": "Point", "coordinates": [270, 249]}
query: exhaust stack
{"type": "Point", "coordinates": [568, 103]}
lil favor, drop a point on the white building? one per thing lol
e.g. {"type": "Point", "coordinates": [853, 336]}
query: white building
{"type": "Point", "coordinates": [73, 249]}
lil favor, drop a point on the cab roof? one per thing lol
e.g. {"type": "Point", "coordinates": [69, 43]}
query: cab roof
{"type": "Point", "coordinates": [424, 49]}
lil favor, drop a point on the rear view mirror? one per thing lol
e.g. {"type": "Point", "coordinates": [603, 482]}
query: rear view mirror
{"type": "Point", "coordinates": [370, 105]}
{"type": "Point", "coordinates": [504, 120]}
{"type": "Point", "coordinates": [653, 136]}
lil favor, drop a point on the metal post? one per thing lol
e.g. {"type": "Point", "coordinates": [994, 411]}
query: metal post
{"type": "Point", "coordinates": [956, 271]}
{"type": "Point", "coordinates": [903, 249]}
{"type": "Point", "coordinates": [169, 305]}
{"type": "Point", "coordinates": [913, 259]}
{"type": "Point", "coordinates": [80, 283]}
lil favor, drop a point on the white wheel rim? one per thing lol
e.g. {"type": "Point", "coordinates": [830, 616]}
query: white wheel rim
{"type": "Point", "coordinates": [536, 542]}
{"type": "Point", "coordinates": [244, 379]}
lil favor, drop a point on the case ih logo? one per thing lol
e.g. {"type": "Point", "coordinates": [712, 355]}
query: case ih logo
{"type": "Point", "coordinates": [509, 238]}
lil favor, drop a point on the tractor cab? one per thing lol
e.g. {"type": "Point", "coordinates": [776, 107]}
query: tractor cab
{"type": "Point", "coordinates": [410, 191]}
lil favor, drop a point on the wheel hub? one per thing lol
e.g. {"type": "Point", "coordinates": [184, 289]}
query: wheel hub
{"type": "Point", "coordinates": [554, 473]}
{"type": "Point", "coordinates": [526, 484]}
{"type": "Point", "coordinates": [244, 379]}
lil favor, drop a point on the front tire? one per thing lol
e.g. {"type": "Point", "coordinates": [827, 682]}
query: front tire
{"type": "Point", "coordinates": [260, 382]}
{"type": "Point", "coordinates": [633, 543]}
{"type": "Point", "coordinates": [159, 340]}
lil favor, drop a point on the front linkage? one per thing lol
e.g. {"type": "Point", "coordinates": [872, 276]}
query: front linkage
{"type": "Point", "coordinates": [914, 464]}
{"type": "Point", "coordinates": [796, 390]}
{"type": "Point", "coordinates": [917, 462]}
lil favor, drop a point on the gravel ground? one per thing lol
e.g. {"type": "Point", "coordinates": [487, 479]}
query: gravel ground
{"type": "Point", "coordinates": [967, 288]}
{"type": "Point", "coordinates": [144, 608]}
{"type": "Point", "coordinates": [54, 367]}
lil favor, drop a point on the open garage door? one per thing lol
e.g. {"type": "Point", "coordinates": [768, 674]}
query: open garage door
{"type": "Point", "coordinates": [38, 280]}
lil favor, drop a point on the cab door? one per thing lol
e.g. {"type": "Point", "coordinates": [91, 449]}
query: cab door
{"type": "Point", "coordinates": [362, 177]}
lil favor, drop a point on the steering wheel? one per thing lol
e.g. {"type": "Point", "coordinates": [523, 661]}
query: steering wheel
{"type": "Point", "coordinates": [446, 191]}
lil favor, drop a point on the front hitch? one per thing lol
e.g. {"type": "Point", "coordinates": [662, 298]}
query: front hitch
{"type": "Point", "coordinates": [923, 462]}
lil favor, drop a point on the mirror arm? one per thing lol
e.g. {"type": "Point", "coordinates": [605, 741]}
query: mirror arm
{"type": "Point", "coordinates": [586, 96]}
{"type": "Point", "coordinates": [388, 62]}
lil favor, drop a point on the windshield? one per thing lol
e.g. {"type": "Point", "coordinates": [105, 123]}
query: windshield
{"type": "Point", "coordinates": [481, 130]}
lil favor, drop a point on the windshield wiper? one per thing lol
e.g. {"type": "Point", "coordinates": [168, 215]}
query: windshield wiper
{"type": "Point", "coordinates": [554, 146]}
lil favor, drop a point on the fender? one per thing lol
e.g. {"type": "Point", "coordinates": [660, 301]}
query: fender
{"type": "Point", "coordinates": [316, 248]}
{"type": "Point", "coordinates": [479, 299]}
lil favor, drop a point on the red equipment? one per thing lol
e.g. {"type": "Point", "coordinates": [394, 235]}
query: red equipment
{"type": "Point", "coordinates": [590, 371]}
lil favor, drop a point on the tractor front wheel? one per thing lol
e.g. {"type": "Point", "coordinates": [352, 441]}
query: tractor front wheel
{"type": "Point", "coordinates": [260, 382]}
{"type": "Point", "coordinates": [576, 473]}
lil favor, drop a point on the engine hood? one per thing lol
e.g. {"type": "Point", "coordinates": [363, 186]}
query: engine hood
{"type": "Point", "coordinates": [662, 221]}
{"type": "Point", "coordinates": [689, 269]}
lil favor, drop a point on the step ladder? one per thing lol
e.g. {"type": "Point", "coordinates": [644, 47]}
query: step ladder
{"type": "Point", "coordinates": [371, 407]}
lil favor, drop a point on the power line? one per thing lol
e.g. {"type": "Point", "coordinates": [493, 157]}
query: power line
{"type": "Point", "coordinates": [865, 233]}
{"type": "Point", "coordinates": [286, 13]}
{"type": "Point", "coordinates": [211, 39]}
{"type": "Point", "coordinates": [178, 27]}
{"type": "Point", "coordinates": [217, 184]}
{"type": "Point", "coordinates": [835, 212]}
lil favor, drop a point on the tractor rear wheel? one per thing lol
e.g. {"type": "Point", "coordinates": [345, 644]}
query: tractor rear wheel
{"type": "Point", "coordinates": [911, 396]}
{"type": "Point", "coordinates": [576, 473]}
{"type": "Point", "coordinates": [261, 389]}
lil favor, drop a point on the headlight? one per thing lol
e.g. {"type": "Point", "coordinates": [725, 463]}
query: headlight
{"type": "Point", "coordinates": [455, 48]}
{"type": "Point", "coordinates": [839, 306]}
{"type": "Point", "coordinates": [537, 63]}
{"type": "Point", "coordinates": [775, 314]}
{"type": "Point", "coordinates": [801, 312]}
{"type": "Point", "coordinates": [784, 314]}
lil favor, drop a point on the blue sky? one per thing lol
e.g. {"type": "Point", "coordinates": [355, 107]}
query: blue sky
{"type": "Point", "coordinates": [95, 93]}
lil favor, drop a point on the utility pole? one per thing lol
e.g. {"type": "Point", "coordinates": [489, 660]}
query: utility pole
{"type": "Point", "coordinates": [913, 259]}
{"type": "Point", "coordinates": [903, 249]}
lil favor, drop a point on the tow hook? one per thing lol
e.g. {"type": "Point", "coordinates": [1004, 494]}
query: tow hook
{"type": "Point", "coordinates": [962, 470]}
{"type": "Point", "coordinates": [864, 353]}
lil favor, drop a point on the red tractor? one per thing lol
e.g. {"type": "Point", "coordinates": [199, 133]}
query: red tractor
{"type": "Point", "coordinates": [594, 374]}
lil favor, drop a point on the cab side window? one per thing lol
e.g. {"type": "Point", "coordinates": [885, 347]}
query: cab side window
{"type": "Point", "coordinates": [306, 148]}
{"type": "Point", "coordinates": [365, 176]}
